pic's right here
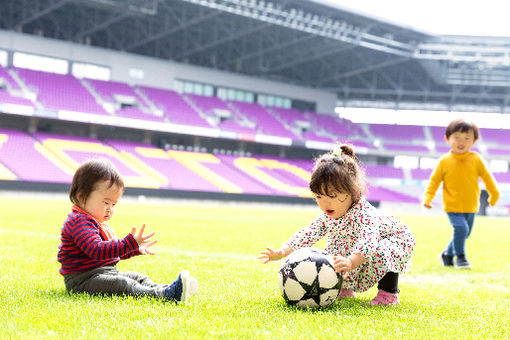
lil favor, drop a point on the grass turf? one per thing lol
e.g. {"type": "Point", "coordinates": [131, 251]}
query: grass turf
{"type": "Point", "coordinates": [238, 295]}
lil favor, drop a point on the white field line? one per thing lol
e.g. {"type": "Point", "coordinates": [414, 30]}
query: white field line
{"type": "Point", "coordinates": [30, 233]}
{"type": "Point", "coordinates": [157, 249]}
{"type": "Point", "coordinates": [462, 277]}
{"type": "Point", "coordinates": [193, 253]}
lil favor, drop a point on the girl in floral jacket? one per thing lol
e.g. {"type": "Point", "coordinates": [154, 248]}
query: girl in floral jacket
{"type": "Point", "coordinates": [368, 247]}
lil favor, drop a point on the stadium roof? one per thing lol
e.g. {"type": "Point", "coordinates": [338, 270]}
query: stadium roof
{"type": "Point", "coordinates": [366, 61]}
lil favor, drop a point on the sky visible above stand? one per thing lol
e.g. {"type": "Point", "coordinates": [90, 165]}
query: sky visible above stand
{"type": "Point", "coordinates": [439, 17]}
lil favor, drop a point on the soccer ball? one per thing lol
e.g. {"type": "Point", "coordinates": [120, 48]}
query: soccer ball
{"type": "Point", "coordinates": [308, 279]}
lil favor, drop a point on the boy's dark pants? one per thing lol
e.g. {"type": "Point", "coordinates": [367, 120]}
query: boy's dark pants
{"type": "Point", "coordinates": [108, 280]}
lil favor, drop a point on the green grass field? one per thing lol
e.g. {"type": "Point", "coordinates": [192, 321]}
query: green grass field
{"type": "Point", "coordinates": [238, 295]}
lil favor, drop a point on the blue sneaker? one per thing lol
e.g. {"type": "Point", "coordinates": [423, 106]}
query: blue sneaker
{"type": "Point", "coordinates": [446, 260]}
{"type": "Point", "coordinates": [182, 288]}
{"type": "Point", "coordinates": [462, 262]}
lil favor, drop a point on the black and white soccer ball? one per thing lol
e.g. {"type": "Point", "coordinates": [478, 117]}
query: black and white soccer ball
{"type": "Point", "coordinates": [308, 279]}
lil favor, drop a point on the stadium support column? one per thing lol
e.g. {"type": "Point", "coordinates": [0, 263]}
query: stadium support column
{"type": "Point", "coordinates": [93, 131]}
{"type": "Point", "coordinates": [32, 125]}
{"type": "Point", "coordinates": [196, 142]}
{"type": "Point", "coordinates": [147, 137]}
{"type": "Point", "coordinates": [282, 151]}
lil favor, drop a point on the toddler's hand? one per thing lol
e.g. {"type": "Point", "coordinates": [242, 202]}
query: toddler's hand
{"type": "Point", "coordinates": [271, 255]}
{"type": "Point", "coordinates": [342, 265]}
{"type": "Point", "coordinates": [144, 241]}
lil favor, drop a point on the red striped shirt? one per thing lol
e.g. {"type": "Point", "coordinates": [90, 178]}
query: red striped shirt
{"type": "Point", "coordinates": [84, 245]}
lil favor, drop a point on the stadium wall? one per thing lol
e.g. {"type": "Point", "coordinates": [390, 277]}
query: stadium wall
{"type": "Point", "coordinates": [157, 72]}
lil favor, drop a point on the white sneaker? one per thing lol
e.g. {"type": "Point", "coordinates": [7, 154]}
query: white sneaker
{"type": "Point", "coordinates": [189, 286]}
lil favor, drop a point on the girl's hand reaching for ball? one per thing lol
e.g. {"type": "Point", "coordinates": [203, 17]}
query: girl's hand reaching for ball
{"type": "Point", "coordinates": [274, 255]}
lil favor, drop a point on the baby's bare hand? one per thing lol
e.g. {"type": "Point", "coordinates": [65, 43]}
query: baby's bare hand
{"type": "Point", "coordinates": [342, 265]}
{"type": "Point", "coordinates": [140, 237]}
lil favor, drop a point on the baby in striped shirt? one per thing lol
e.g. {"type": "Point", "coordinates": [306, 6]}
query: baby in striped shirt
{"type": "Point", "coordinates": [89, 249]}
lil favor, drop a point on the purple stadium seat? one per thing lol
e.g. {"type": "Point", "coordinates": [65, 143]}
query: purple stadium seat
{"type": "Point", "coordinates": [176, 109]}
{"type": "Point", "coordinates": [107, 90]}
{"type": "Point", "coordinates": [384, 171]}
{"type": "Point", "coordinates": [60, 92]}
{"type": "Point", "coordinates": [342, 129]}
{"type": "Point", "coordinates": [421, 174]}
{"type": "Point", "coordinates": [499, 151]}
{"type": "Point", "coordinates": [437, 133]}
{"type": "Point", "coordinates": [312, 136]}
{"type": "Point", "coordinates": [381, 194]}
{"type": "Point", "coordinates": [266, 122]}
{"type": "Point", "coordinates": [496, 136]}
{"type": "Point", "coordinates": [6, 97]}
{"type": "Point", "coordinates": [406, 148]}
{"type": "Point", "coordinates": [208, 105]}
{"type": "Point", "coordinates": [502, 177]}
{"type": "Point", "coordinates": [397, 132]}
{"type": "Point", "coordinates": [20, 147]}
{"type": "Point", "coordinates": [11, 83]}
{"type": "Point", "coordinates": [136, 113]}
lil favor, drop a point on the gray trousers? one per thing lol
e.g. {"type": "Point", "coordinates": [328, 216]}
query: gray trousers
{"type": "Point", "coordinates": [108, 280]}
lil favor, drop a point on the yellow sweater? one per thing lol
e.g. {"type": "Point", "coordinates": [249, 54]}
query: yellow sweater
{"type": "Point", "coordinates": [459, 174]}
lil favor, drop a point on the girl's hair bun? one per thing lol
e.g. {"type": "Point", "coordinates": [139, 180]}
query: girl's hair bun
{"type": "Point", "coordinates": [347, 150]}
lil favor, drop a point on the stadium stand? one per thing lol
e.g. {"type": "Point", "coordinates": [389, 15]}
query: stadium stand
{"type": "Point", "coordinates": [122, 100]}
{"type": "Point", "coordinates": [175, 108]}
{"type": "Point", "coordinates": [266, 123]}
{"type": "Point", "coordinates": [397, 133]}
{"type": "Point", "coordinates": [144, 165]}
{"type": "Point", "coordinates": [60, 92]}
{"type": "Point", "coordinates": [384, 171]}
{"type": "Point", "coordinates": [7, 98]}
{"type": "Point", "coordinates": [421, 174]}
{"type": "Point", "coordinates": [225, 117]}
{"type": "Point", "coordinates": [407, 149]}
{"type": "Point", "coordinates": [17, 147]}
{"type": "Point", "coordinates": [336, 126]}
{"type": "Point", "coordinates": [499, 137]}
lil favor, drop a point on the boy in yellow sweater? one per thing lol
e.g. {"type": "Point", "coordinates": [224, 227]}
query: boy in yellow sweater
{"type": "Point", "coordinates": [459, 171]}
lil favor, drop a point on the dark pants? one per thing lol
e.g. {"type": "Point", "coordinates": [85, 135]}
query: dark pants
{"type": "Point", "coordinates": [389, 283]}
{"type": "Point", "coordinates": [108, 280]}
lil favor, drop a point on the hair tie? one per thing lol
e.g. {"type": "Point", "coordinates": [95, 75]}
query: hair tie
{"type": "Point", "coordinates": [337, 152]}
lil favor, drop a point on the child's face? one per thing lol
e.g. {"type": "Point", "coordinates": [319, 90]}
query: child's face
{"type": "Point", "coordinates": [101, 201]}
{"type": "Point", "coordinates": [335, 205]}
{"type": "Point", "coordinates": [461, 142]}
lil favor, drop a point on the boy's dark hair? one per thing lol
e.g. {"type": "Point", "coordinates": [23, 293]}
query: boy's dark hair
{"type": "Point", "coordinates": [89, 174]}
{"type": "Point", "coordinates": [460, 125]}
{"type": "Point", "coordinates": [339, 169]}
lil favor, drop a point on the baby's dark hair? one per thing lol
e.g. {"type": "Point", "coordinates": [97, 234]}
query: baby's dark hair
{"type": "Point", "coordinates": [339, 169]}
{"type": "Point", "coordinates": [89, 174]}
{"type": "Point", "coordinates": [460, 125]}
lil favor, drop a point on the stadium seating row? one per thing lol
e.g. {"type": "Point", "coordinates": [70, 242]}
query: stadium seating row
{"type": "Point", "coordinates": [56, 158]}
{"type": "Point", "coordinates": [48, 92]}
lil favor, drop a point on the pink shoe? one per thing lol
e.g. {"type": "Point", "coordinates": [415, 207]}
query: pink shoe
{"type": "Point", "coordinates": [346, 293]}
{"type": "Point", "coordinates": [385, 299]}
